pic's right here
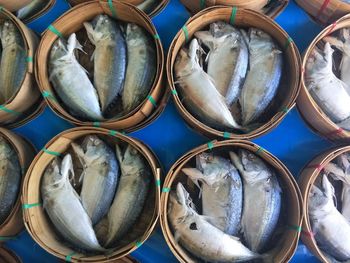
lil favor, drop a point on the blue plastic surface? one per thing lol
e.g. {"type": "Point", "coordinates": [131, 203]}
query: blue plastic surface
{"type": "Point", "coordinates": [292, 142]}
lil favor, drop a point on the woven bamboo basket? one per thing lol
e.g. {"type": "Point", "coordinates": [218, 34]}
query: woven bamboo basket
{"type": "Point", "coordinates": [7, 256]}
{"type": "Point", "coordinates": [38, 223]}
{"type": "Point", "coordinates": [308, 108]}
{"type": "Point", "coordinates": [325, 11]}
{"type": "Point", "coordinates": [27, 102]}
{"type": "Point", "coordinates": [284, 249]}
{"type": "Point", "coordinates": [161, 5]}
{"type": "Point", "coordinates": [72, 21]}
{"type": "Point", "coordinates": [26, 152]}
{"type": "Point", "coordinates": [306, 179]}
{"type": "Point", "coordinates": [289, 86]}
{"type": "Point", "coordinates": [270, 8]}
{"type": "Point", "coordinates": [14, 5]}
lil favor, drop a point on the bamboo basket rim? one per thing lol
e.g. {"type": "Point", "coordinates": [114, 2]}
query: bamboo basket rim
{"type": "Point", "coordinates": [10, 137]}
{"type": "Point", "coordinates": [325, 32]}
{"type": "Point", "coordinates": [277, 117]}
{"type": "Point", "coordinates": [62, 112]}
{"type": "Point", "coordinates": [155, 166]}
{"type": "Point", "coordinates": [9, 254]}
{"type": "Point", "coordinates": [248, 145]}
{"type": "Point", "coordinates": [306, 183]}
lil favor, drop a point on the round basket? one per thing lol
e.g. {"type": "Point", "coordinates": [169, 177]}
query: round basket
{"type": "Point", "coordinates": [325, 11]}
{"type": "Point", "coordinates": [285, 248]}
{"type": "Point", "coordinates": [72, 21]}
{"type": "Point", "coordinates": [13, 224]}
{"type": "Point", "coordinates": [161, 5]}
{"type": "Point", "coordinates": [39, 225]}
{"type": "Point", "coordinates": [308, 108]}
{"type": "Point", "coordinates": [7, 256]}
{"type": "Point", "coordinates": [270, 8]}
{"type": "Point", "coordinates": [306, 179]}
{"type": "Point", "coordinates": [288, 89]}
{"type": "Point", "coordinates": [27, 102]}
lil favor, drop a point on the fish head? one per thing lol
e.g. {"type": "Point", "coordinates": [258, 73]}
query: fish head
{"type": "Point", "coordinates": [134, 34]}
{"type": "Point", "coordinates": [221, 28]}
{"type": "Point", "coordinates": [203, 160]}
{"type": "Point", "coordinates": [320, 62]}
{"type": "Point", "coordinates": [255, 169]}
{"type": "Point", "coordinates": [101, 28]}
{"type": "Point", "coordinates": [131, 162]}
{"type": "Point", "coordinates": [94, 149]}
{"type": "Point", "coordinates": [8, 32]}
{"type": "Point", "coordinates": [321, 201]}
{"type": "Point", "coordinates": [52, 177]}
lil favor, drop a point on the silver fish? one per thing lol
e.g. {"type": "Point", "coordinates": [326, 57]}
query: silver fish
{"type": "Point", "coordinates": [100, 176]}
{"type": "Point", "coordinates": [227, 58]}
{"type": "Point", "coordinates": [31, 9]}
{"type": "Point", "coordinates": [131, 194]}
{"type": "Point", "coordinates": [199, 94]}
{"type": "Point", "coordinates": [222, 191]}
{"type": "Point", "coordinates": [109, 58]}
{"type": "Point", "coordinates": [10, 178]}
{"type": "Point", "coordinates": [71, 82]}
{"type": "Point", "coordinates": [331, 230]}
{"type": "Point", "coordinates": [13, 63]}
{"type": "Point", "coordinates": [263, 77]}
{"type": "Point", "coordinates": [64, 208]}
{"type": "Point", "coordinates": [329, 92]}
{"type": "Point", "coordinates": [261, 200]}
{"type": "Point", "coordinates": [200, 237]}
{"type": "Point", "coordinates": [141, 68]}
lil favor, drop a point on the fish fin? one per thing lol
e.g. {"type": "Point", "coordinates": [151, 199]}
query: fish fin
{"type": "Point", "coordinates": [73, 44]}
{"type": "Point", "coordinates": [195, 175]}
{"type": "Point", "coordinates": [119, 153]}
{"type": "Point", "coordinates": [90, 32]}
{"type": "Point", "coordinates": [92, 56]}
{"type": "Point", "coordinates": [328, 187]}
{"type": "Point", "coordinates": [206, 38]}
{"type": "Point", "coordinates": [177, 237]}
{"type": "Point", "coordinates": [78, 150]}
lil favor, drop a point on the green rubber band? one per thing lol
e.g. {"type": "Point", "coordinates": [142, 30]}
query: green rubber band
{"type": "Point", "coordinates": [260, 150]}
{"type": "Point", "coordinates": [69, 257]}
{"type": "Point", "coordinates": [111, 6]}
{"type": "Point", "coordinates": [154, 103]}
{"type": "Point", "coordinates": [138, 244]}
{"type": "Point", "coordinates": [210, 145]}
{"type": "Point", "coordinates": [285, 110]}
{"type": "Point", "coordinates": [185, 30]}
{"type": "Point", "coordinates": [55, 31]}
{"type": "Point", "coordinates": [174, 92]}
{"type": "Point", "coordinates": [296, 228]}
{"type": "Point", "coordinates": [1, 8]}
{"type": "Point", "coordinates": [51, 152]}
{"type": "Point", "coordinates": [96, 124]}
{"type": "Point", "coordinates": [227, 135]}
{"type": "Point", "coordinates": [27, 206]}
{"type": "Point", "coordinates": [3, 108]}
{"type": "Point", "coordinates": [166, 190]}
{"type": "Point", "coordinates": [158, 183]}
{"type": "Point", "coordinates": [202, 4]}
{"type": "Point", "coordinates": [288, 42]}
{"type": "Point", "coordinates": [47, 95]}
{"type": "Point", "coordinates": [7, 238]}
{"type": "Point", "coordinates": [29, 59]}
{"type": "Point", "coordinates": [233, 15]}
{"type": "Point", "coordinates": [156, 36]}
